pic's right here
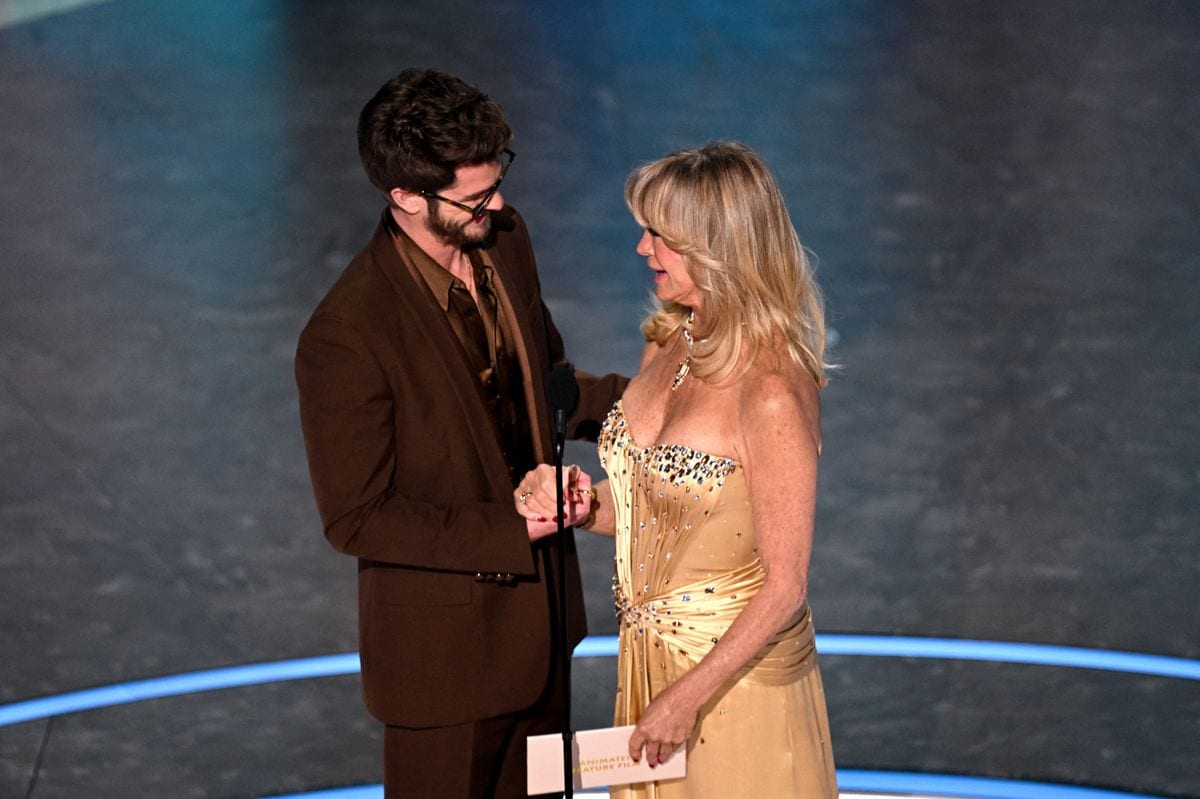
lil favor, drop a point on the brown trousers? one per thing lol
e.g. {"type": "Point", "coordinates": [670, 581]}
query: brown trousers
{"type": "Point", "coordinates": [477, 760]}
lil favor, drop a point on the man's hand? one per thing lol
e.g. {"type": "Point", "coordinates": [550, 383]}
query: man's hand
{"type": "Point", "coordinates": [535, 499]}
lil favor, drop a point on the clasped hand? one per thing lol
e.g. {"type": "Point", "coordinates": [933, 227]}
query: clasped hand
{"type": "Point", "coordinates": [535, 499]}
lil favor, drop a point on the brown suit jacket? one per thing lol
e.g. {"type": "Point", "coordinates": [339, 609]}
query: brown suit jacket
{"type": "Point", "coordinates": [410, 478]}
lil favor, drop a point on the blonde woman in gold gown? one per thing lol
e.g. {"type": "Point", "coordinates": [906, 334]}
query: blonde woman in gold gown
{"type": "Point", "coordinates": [711, 458]}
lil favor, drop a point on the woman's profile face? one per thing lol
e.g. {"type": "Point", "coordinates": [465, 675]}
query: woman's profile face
{"type": "Point", "coordinates": [672, 283]}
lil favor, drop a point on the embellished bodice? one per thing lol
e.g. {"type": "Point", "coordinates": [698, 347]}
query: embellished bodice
{"type": "Point", "coordinates": [664, 492]}
{"type": "Point", "coordinates": [686, 555]}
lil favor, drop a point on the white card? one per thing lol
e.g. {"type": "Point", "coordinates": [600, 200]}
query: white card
{"type": "Point", "coordinates": [600, 757]}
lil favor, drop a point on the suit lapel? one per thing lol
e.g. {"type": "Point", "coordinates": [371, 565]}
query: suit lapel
{"type": "Point", "coordinates": [445, 352]}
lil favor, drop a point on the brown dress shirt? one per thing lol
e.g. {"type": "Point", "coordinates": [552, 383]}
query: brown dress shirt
{"type": "Point", "coordinates": [485, 335]}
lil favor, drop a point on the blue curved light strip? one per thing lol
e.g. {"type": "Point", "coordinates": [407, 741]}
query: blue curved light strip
{"type": "Point", "coordinates": [860, 781]}
{"type": "Point", "coordinates": [604, 646]}
{"type": "Point", "coordinates": [960, 649]}
{"type": "Point", "coordinates": [191, 683]}
{"type": "Point", "coordinates": [1002, 652]}
{"type": "Point", "coordinates": [975, 787]}
{"type": "Point", "coordinates": [358, 792]}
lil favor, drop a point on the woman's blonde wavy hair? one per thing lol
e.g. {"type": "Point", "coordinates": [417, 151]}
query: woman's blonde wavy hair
{"type": "Point", "coordinates": [719, 207]}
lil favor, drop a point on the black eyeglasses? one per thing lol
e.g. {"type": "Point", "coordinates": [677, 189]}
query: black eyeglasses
{"type": "Point", "coordinates": [476, 212]}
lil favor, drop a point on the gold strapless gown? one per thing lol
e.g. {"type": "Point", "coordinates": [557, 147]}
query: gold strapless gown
{"type": "Point", "coordinates": [686, 565]}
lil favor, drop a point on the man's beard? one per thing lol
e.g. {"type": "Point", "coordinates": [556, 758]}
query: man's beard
{"type": "Point", "coordinates": [455, 233]}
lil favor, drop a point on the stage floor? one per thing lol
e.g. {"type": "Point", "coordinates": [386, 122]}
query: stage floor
{"type": "Point", "coordinates": [1002, 198]}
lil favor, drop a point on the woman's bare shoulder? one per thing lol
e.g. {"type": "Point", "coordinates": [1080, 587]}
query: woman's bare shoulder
{"type": "Point", "coordinates": [779, 400]}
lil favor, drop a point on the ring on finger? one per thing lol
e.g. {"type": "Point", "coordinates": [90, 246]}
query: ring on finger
{"type": "Point", "coordinates": [524, 496]}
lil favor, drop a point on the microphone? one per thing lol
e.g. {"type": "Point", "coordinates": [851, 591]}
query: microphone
{"type": "Point", "coordinates": [562, 390]}
{"type": "Point", "coordinates": [562, 395]}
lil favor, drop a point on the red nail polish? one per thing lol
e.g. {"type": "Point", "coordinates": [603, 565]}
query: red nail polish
{"type": "Point", "coordinates": [542, 518]}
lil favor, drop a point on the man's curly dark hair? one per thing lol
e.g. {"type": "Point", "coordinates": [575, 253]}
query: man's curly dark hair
{"type": "Point", "coordinates": [424, 124]}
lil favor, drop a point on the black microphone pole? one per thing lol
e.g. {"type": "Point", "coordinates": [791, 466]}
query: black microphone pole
{"type": "Point", "coordinates": [564, 646]}
{"type": "Point", "coordinates": [562, 395]}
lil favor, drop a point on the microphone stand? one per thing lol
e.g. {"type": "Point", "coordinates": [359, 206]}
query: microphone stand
{"type": "Point", "coordinates": [560, 435]}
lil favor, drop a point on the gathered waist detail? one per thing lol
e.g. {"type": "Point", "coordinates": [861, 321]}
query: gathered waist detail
{"type": "Point", "coordinates": [691, 618]}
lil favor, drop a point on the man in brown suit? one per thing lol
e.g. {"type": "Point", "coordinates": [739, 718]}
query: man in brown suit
{"type": "Point", "coordinates": [421, 379]}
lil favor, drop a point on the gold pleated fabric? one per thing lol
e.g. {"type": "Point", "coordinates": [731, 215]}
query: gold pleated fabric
{"type": "Point", "coordinates": [686, 566]}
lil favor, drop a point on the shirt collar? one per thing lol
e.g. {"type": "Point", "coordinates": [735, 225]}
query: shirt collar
{"type": "Point", "coordinates": [437, 277]}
